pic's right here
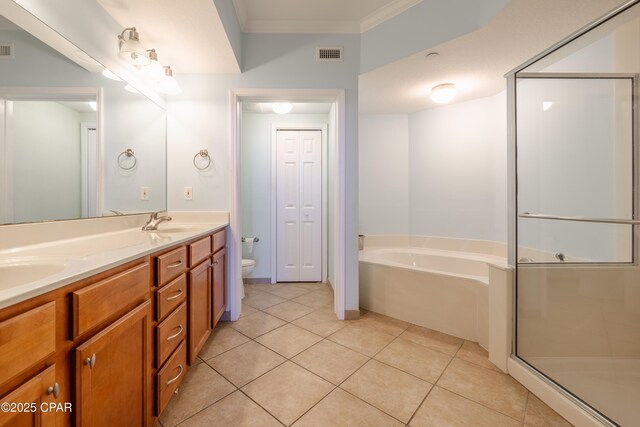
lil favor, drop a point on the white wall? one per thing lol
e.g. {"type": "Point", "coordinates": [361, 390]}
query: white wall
{"type": "Point", "coordinates": [457, 170]}
{"type": "Point", "coordinates": [384, 174]}
{"type": "Point", "coordinates": [46, 152]}
{"type": "Point", "coordinates": [256, 173]}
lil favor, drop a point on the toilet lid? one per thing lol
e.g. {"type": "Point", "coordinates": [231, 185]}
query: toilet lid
{"type": "Point", "coordinates": [248, 262]}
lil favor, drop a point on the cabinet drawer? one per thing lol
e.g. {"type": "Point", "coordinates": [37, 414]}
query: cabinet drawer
{"type": "Point", "coordinates": [171, 296]}
{"type": "Point", "coordinates": [26, 340]}
{"type": "Point", "coordinates": [171, 265]}
{"type": "Point", "coordinates": [219, 240]}
{"type": "Point", "coordinates": [170, 376]}
{"type": "Point", "coordinates": [99, 302]}
{"type": "Point", "coordinates": [170, 332]}
{"type": "Point", "coordinates": [199, 251]}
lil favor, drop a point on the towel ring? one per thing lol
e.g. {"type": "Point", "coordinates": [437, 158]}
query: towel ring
{"type": "Point", "coordinates": [129, 154]}
{"type": "Point", "coordinates": [205, 155]}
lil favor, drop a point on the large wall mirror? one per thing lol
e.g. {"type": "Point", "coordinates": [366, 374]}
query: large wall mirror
{"type": "Point", "coordinates": [73, 143]}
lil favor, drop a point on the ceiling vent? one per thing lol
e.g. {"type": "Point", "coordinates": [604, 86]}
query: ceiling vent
{"type": "Point", "coordinates": [329, 54]}
{"type": "Point", "coordinates": [7, 50]}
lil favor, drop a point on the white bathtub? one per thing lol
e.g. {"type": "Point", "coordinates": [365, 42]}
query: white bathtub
{"type": "Point", "coordinates": [441, 289]}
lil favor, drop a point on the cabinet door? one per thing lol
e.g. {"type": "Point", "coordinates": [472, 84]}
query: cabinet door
{"type": "Point", "coordinates": [35, 395]}
{"type": "Point", "coordinates": [199, 308]}
{"type": "Point", "coordinates": [112, 373]}
{"type": "Point", "coordinates": [219, 302]}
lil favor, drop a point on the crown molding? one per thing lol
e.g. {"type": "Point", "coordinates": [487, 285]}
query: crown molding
{"type": "Point", "coordinates": [385, 13]}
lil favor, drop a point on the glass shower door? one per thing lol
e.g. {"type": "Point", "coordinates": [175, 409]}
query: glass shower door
{"type": "Point", "coordinates": [578, 280]}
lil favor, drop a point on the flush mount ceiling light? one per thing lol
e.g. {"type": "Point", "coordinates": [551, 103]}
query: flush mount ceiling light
{"type": "Point", "coordinates": [443, 93]}
{"type": "Point", "coordinates": [168, 84]}
{"type": "Point", "coordinates": [281, 107]}
{"type": "Point", "coordinates": [131, 50]}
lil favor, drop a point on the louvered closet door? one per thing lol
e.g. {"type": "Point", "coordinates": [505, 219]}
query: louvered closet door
{"type": "Point", "coordinates": [299, 206]}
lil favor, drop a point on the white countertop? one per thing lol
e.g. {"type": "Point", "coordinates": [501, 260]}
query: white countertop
{"type": "Point", "coordinates": [64, 261]}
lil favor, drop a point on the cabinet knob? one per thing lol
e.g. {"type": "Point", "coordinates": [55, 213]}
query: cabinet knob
{"type": "Point", "coordinates": [215, 261]}
{"type": "Point", "coordinates": [54, 389]}
{"type": "Point", "coordinates": [90, 361]}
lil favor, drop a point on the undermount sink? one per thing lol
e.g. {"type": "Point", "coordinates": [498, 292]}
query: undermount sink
{"type": "Point", "coordinates": [18, 272]}
{"type": "Point", "coordinates": [177, 228]}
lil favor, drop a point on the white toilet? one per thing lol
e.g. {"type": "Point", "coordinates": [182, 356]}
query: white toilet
{"type": "Point", "coordinates": [247, 267]}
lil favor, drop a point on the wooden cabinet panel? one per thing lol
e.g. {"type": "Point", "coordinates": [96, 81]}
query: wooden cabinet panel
{"type": "Point", "coordinates": [219, 302]}
{"type": "Point", "coordinates": [170, 376]}
{"type": "Point", "coordinates": [112, 371]}
{"type": "Point", "coordinates": [101, 301]}
{"type": "Point", "coordinates": [171, 332]}
{"type": "Point", "coordinates": [26, 340]}
{"type": "Point", "coordinates": [199, 250]}
{"type": "Point", "coordinates": [171, 265]}
{"type": "Point", "coordinates": [171, 296]}
{"type": "Point", "coordinates": [199, 308]}
{"type": "Point", "coordinates": [36, 392]}
{"type": "Point", "coordinates": [219, 240]}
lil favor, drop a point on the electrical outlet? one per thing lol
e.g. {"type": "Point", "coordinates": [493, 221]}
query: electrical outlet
{"type": "Point", "coordinates": [145, 193]}
{"type": "Point", "coordinates": [188, 193]}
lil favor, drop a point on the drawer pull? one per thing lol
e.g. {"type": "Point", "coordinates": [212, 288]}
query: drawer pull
{"type": "Point", "coordinates": [173, 380]}
{"type": "Point", "coordinates": [171, 337]}
{"type": "Point", "coordinates": [175, 264]}
{"type": "Point", "coordinates": [54, 389]}
{"type": "Point", "coordinates": [176, 296]}
{"type": "Point", "coordinates": [90, 361]}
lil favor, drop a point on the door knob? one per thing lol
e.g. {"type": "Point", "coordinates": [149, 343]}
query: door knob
{"type": "Point", "coordinates": [54, 389]}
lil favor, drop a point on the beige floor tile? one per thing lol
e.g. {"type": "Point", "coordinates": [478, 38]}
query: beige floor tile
{"type": "Point", "coordinates": [445, 409]}
{"type": "Point", "coordinates": [415, 359]}
{"type": "Point", "coordinates": [538, 414]}
{"type": "Point", "coordinates": [222, 339]}
{"type": "Point", "coordinates": [331, 361]}
{"type": "Point", "coordinates": [492, 389]}
{"type": "Point", "coordinates": [340, 409]}
{"type": "Point", "coordinates": [315, 299]}
{"type": "Point", "coordinates": [388, 389]}
{"type": "Point", "coordinates": [287, 291]}
{"type": "Point", "coordinates": [363, 339]}
{"type": "Point", "coordinates": [246, 309]}
{"type": "Point", "coordinates": [256, 324]}
{"type": "Point", "coordinates": [384, 323]}
{"type": "Point", "coordinates": [310, 286]}
{"type": "Point", "coordinates": [251, 290]}
{"type": "Point", "coordinates": [321, 322]}
{"type": "Point", "coordinates": [235, 410]}
{"type": "Point", "coordinates": [289, 310]}
{"type": "Point", "coordinates": [257, 287]}
{"type": "Point", "coordinates": [288, 340]}
{"type": "Point", "coordinates": [201, 387]}
{"type": "Point", "coordinates": [288, 391]}
{"type": "Point", "coordinates": [263, 300]}
{"type": "Point", "coordinates": [474, 353]}
{"type": "Point", "coordinates": [245, 363]}
{"type": "Point", "coordinates": [433, 339]}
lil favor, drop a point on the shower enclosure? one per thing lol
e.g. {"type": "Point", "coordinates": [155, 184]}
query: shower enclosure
{"type": "Point", "coordinates": [574, 231]}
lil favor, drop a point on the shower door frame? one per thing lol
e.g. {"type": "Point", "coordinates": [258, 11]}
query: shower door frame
{"type": "Point", "coordinates": [515, 214]}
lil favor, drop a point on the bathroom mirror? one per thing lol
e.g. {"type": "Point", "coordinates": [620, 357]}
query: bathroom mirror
{"type": "Point", "coordinates": [73, 143]}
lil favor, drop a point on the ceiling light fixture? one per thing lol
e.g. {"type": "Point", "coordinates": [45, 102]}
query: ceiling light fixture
{"type": "Point", "coordinates": [93, 105]}
{"type": "Point", "coordinates": [443, 93]}
{"type": "Point", "coordinates": [168, 84]}
{"type": "Point", "coordinates": [281, 107]}
{"type": "Point", "coordinates": [131, 50]}
{"type": "Point", "coordinates": [110, 75]}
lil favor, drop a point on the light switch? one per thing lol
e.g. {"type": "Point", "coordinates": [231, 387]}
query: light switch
{"type": "Point", "coordinates": [145, 193]}
{"type": "Point", "coordinates": [188, 193]}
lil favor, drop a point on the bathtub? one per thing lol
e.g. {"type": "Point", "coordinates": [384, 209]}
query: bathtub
{"type": "Point", "coordinates": [437, 287]}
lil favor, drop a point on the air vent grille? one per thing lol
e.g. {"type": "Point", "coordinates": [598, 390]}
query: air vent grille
{"type": "Point", "coordinates": [329, 54]}
{"type": "Point", "coordinates": [6, 50]}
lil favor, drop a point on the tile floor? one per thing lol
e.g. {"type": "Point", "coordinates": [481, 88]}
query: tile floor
{"type": "Point", "coordinates": [289, 361]}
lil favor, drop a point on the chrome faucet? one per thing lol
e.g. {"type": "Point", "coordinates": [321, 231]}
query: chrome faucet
{"type": "Point", "coordinates": [154, 221]}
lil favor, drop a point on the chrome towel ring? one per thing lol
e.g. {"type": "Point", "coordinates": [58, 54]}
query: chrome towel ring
{"type": "Point", "coordinates": [128, 153]}
{"type": "Point", "coordinates": [205, 155]}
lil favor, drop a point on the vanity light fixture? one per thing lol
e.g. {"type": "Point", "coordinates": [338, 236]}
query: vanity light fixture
{"type": "Point", "coordinates": [168, 84]}
{"type": "Point", "coordinates": [131, 50]}
{"type": "Point", "coordinates": [154, 71]}
{"type": "Point", "coordinates": [443, 93]}
{"type": "Point", "coordinates": [281, 107]}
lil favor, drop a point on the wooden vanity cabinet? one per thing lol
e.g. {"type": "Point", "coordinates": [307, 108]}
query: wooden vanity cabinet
{"type": "Point", "coordinates": [219, 286]}
{"type": "Point", "coordinates": [36, 392]}
{"type": "Point", "coordinates": [199, 308]}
